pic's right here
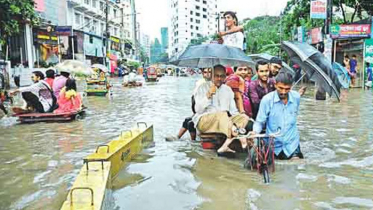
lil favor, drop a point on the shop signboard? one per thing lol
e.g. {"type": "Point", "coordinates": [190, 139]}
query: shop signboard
{"type": "Point", "coordinates": [368, 57]}
{"type": "Point", "coordinates": [318, 9]}
{"type": "Point", "coordinates": [301, 34]}
{"type": "Point", "coordinates": [351, 31]}
{"type": "Point", "coordinates": [328, 47]}
{"type": "Point", "coordinates": [315, 36]}
{"type": "Point", "coordinates": [63, 30]}
{"type": "Point", "coordinates": [39, 5]}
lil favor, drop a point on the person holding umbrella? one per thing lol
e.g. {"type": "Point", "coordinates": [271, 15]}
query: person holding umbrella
{"type": "Point", "coordinates": [216, 110]}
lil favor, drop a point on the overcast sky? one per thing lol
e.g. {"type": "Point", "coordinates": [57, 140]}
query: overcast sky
{"type": "Point", "coordinates": [153, 13]}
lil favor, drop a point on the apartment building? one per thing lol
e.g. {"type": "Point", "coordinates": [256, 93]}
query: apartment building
{"type": "Point", "coordinates": [190, 19]}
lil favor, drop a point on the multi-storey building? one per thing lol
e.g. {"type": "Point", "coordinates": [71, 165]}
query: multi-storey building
{"type": "Point", "coordinates": [89, 17]}
{"type": "Point", "coordinates": [145, 43]}
{"type": "Point", "coordinates": [190, 19]}
{"type": "Point", "coordinates": [164, 39]}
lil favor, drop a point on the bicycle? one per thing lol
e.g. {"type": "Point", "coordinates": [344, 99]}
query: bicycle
{"type": "Point", "coordinates": [263, 151]}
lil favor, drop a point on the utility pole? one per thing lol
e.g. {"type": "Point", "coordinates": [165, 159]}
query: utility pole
{"type": "Point", "coordinates": [107, 32]}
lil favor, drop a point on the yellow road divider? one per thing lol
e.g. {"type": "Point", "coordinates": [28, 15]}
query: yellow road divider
{"type": "Point", "coordinates": [94, 180]}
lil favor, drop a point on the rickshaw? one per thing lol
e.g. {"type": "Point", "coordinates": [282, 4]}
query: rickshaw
{"type": "Point", "coordinates": [152, 75]}
{"type": "Point", "coordinates": [98, 84]}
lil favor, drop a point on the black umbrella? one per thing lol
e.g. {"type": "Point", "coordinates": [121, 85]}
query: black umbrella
{"type": "Point", "coordinates": [268, 57]}
{"type": "Point", "coordinates": [317, 67]}
{"type": "Point", "coordinates": [209, 55]}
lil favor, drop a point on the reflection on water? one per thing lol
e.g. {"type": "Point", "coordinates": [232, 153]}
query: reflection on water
{"type": "Point", "coordinates": [41, 161]}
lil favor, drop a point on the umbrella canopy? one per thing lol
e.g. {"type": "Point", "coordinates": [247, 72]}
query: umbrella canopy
{"type": "Point", "coordinates": [209, 55]}
{"type": "Point", "coordinates": [317, 67]}
{"type": "Point", "coordinates": [74, 67]}
{"type": "Point", "coordinates": [101, 67]}
{"type": "Point", "coordinates": [343, 76]}
{"type": "Point", "coordinates": [267, 57]}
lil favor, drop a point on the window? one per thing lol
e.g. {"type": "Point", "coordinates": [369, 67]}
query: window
{"type": "Point", "coordinates": [204, 16]}
{"type": "Point", "coordinates": [191, 19]}
{"type": "Point", "coordinates": [198, 7]}
{"type": "Point", "coordinates": [197, 28]}
{"type": "Point", "coordinates": [95, 25]}
{"type": "Point", "coordinates": [87, 2]}
{"type": "Point", "coordinates": [102, 28]}
{"type": "Point", "coordinates": [115, 13]}
{"type": "Point", "coordinates": [204, 9]}
{"type": "Point", "coordinates": [77, 19]}
{"type": "Point", "coordinates": [198, 21]}
{"type": "Point", "coordinates": [116, 31]}
{"type": "Point", "coordinates": [198, 14]}
{"type": "Point", "coordinates": [102, 6]}
{"type": "Point", "coordinates": [191, 26]}
{"type": "Point", "coordinates": [204, 2]}
{"type": "Point", "coordinates": [192, 34]}
{"type": "Point", "coordinates": [191, 12]}
{"type": "Point", "coordinates": [94, 3]}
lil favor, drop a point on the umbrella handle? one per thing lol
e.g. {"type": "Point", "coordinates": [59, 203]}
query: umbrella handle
{"type": "Point", "coordinates": [296, 83]}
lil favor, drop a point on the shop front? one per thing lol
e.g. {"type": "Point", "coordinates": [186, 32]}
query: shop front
{"type": "Point", "coordinates": [349, 40]}
{"type": "Point", "coordinates": [46, 47]}
{"type": "Point", "coordinates": [115, 54]}
{"type": "Point", "coordinates": [93, 48]}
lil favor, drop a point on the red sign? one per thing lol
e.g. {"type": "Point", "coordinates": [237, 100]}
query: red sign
{"type": "Point", "coordinates": [316, 35]}
{"type": "Point", "coordinates": [39, 5]}
{"type": "Point", "coordinates": [351, 30]}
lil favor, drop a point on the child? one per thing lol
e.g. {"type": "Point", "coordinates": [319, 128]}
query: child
{"type": "Point", "coordinates": [69, 100]}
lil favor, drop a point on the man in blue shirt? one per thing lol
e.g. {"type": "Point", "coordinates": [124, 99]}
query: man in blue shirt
{"type": "Point", "coordinates": [278, 111]}
{"type": "Point", "coordinates": [353, 69]}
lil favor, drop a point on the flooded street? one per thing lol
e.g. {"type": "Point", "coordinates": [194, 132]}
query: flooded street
{"type": "Point", "coordinates": [40, 161]}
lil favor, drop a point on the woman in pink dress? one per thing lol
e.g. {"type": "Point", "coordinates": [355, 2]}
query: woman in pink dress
{"type": "Point", "coordinates": [69, 100]}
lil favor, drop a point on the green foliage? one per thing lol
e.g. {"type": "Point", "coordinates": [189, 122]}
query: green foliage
{"type": "Point", "coordinates": [134, 64]}
{"type": "Point", "coordinates": [12, 14]}
{"type": "Point", "coordinates": [263, 35]}
{"type": "Point", "coordinates": [199, 40]}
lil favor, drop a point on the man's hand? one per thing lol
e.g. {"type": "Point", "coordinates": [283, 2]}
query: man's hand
{"type": "Point", "coordinates": [302, 90]}
{"type": "Point", "coordinates": [212, 91]}
{"type": "Point", "coordinates": [13, 92]}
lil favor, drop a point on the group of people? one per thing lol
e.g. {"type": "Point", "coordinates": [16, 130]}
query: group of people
{"type": "Point", "coordinates": [224, 102]}
{"type": "Point", "coordinates": [49, 94]}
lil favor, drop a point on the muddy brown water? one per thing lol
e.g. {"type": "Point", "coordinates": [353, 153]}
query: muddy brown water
{"type": "Point", "coordinates": [40, 161]}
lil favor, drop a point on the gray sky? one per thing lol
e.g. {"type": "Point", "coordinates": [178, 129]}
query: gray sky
{"type": "Point", "coordinates": [154, 12]}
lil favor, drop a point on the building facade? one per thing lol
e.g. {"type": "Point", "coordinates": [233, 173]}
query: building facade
{"type": "Point", "coordinates": [190, 19]}
{"type": "Point", "coordinates": [164, 39]}
{"type": "Point", "coordinates": [78, 23]}
{"type": "Point", "coordinates": [145, 44]}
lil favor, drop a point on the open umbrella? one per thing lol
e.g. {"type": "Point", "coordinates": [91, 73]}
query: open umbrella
{"type": "Point", "coordinates": [74, 67]}
{"type": "Point", "coordinates": [267, 57]}
{"type": "Point", "coordinates": [317, 67]}
{"type": "Point", "coordinates": [101, 67]}
{"type": "Point", "coordinates": [342, 73]}
{"type": "Point", "coordinates": [209, 55]}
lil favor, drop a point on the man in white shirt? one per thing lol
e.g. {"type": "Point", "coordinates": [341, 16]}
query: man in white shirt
{"type": "Point", "coordinates": [38, 96]}
{"type": "Point", "coordinates": [216, 110]}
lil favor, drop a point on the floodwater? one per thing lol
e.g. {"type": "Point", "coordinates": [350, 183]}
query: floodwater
{"type": "Point", "coordinates": [40, 161]}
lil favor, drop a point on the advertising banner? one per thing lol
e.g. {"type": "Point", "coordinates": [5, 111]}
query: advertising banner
{"type": "Point", "coordinates": [351, 31]}
{"type": "Point", "coordinates": [318, 9]}
{"type": "Point", "coordinates": [39, 5]}
{"type": "Point", "coordinates": [368, 57]}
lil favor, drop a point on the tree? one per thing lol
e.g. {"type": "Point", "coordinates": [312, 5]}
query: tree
{"type": "Point", "coordinates": [263, 35]}
{"type": "Point", "coordinates": [12, 14]}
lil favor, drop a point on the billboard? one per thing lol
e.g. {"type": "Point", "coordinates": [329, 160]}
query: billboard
{"type": "Point", "coordinates": [39, 5]}
{"type": "Point", "coordinates": [318, 9]}
{"type": "Point", "coordinates": [350, 31]}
